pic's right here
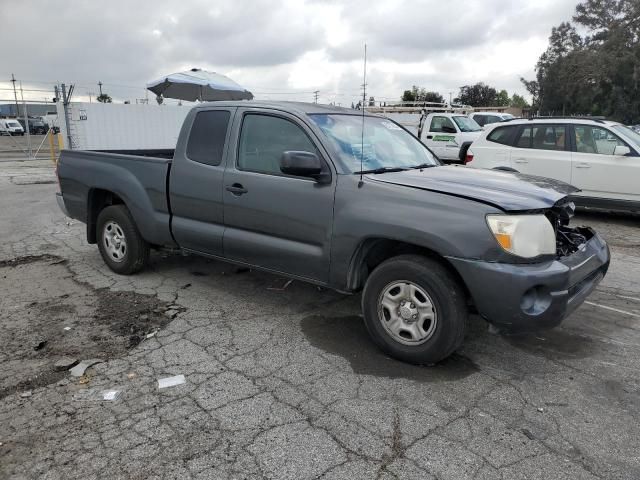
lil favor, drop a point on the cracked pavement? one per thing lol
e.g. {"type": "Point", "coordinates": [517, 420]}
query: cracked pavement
{"type": "Point", "coordinates": [283, 382]}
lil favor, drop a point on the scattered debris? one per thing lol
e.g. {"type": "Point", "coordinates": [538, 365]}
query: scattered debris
{"type": "Point", "coordinates": [40, 345]}
{"type": "Point", "coordinates": [528, 434]}
{"type": "Point", "coordinates": [280, 289]}
{"type": "Point", "coordinates": [79, 369]}
{"type": "Point", "coordinates": [111, 395]}
{"type": "Point", "coordinates": [67, 328]}
{"type": "Point", "coordinates": [171, 381]}
{"type": "Point", "coordinates": [131, 375]}
{"type": "Point", "coordinates": [185, 286]}
{"type": "Point", "coordinates": [540, 409]}
{"type": "Point", "coordinates": [84, 379]}
{"type": "Point", "coordinates": [26, 394]}
{"type": "Point", "coordinates": [152, 334]}
{"type": "Point", "coordinates": [144, 317]}
{"type": "Point", "coordinates": [65, 363]}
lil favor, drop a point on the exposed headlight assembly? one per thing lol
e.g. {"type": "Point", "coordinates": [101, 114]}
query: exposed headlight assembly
{"type": "Point", "coordinates": [526, 236]}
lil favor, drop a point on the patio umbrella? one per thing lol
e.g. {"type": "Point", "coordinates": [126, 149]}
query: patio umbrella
{"type": "Point", "coordinates": [197, 84]}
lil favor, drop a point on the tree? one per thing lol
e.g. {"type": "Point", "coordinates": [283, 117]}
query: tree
{"type": "Point", "coordinates": [104, 98]}
{"type": "Point", "coordinates": [595, 72]}
{"type": "Point", "coordinates": [518, 101]}
{"type": "Point", "coordinates": [420, 94]}
{"type": "Point", "coordinates": [478, 95]}
{"type": "Point", "coordinates": [502, 99]}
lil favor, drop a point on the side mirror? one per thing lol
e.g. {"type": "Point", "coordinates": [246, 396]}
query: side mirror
{"type": "Point", "coordinates": [448, 129]}
{"type": "Point", "coordinates": [301, 164]}
{"type": "Point", "coordinates": [621, 150]}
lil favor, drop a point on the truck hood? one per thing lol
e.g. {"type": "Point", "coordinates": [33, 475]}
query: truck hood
{"type": "Point", "coordinates": [509, 191]}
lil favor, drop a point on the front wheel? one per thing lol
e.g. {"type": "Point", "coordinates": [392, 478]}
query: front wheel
{"type": "Point", "coordinates": [414, 309]}
{"type": "Point", "coordinates": [122, 247]}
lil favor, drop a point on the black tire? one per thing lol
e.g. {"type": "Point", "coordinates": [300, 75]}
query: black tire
{"type": "Point", "coordinates": [446, 295]}
{"type": "Point", "coordinates": [136, 254]}
{"type": "Point", "coordinates": [463, 152]}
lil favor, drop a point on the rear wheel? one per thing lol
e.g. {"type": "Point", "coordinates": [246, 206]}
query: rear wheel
{"type": "Point", "coordinates": [122, 247]}
{"type": "Point", "coordinates": [414, 309]}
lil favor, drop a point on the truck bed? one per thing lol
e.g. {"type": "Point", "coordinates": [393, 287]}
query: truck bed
{"type": "Point", "coordinates": [140, 181]}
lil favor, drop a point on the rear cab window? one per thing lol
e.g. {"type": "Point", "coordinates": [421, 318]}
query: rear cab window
{"type": "Point", "coordinates": [207, 137]}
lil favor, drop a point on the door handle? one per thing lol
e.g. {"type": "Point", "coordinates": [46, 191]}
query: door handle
{"type": "Point", "coordinates": [237, 189]}
{"type": "Point", "coordinates": [429, 137]}
{"type": "Point", "coordinates": [521, 160]}
{"type": "Point", "coordinates": [583, 165]}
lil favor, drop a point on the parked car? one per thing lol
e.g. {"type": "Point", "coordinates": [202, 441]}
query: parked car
{"type": "Point", "coordinates": [357, 204]}
{"type": "Point", "coordinates": [36, 126]}
{"type": "Point", "coordinates": [449, 135]}
{"type": "Point", "coordinates": [486, 118]}
{"type": "Point", "coordinates": [11, 127]}
{"type": "Point", "coordinates": [601, 158]}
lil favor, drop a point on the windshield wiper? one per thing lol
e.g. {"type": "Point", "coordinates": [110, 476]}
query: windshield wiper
{"type": "Point", "coordinates": [382, 170]}
{"type": "Point", "coordinates": [423, 165]}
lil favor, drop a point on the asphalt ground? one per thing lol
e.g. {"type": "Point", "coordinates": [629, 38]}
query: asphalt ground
{"type": "Point", "coordinates": [280, 378]}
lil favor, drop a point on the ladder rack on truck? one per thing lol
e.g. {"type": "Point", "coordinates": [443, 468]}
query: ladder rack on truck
{"type": "Point", "coordinates": [446, 129]}
{"type": "Point", "coordinates": [412, 115]}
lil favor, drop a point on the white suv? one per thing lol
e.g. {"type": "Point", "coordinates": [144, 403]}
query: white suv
{"type": "Point", "coordinates": [600, 157]}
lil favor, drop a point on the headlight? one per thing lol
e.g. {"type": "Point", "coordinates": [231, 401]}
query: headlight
{"type": "Point", "coordinates": [526, 236]}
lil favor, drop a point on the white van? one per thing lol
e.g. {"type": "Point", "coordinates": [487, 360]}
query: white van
{"type": "Point", "coordinates": [9, 126]}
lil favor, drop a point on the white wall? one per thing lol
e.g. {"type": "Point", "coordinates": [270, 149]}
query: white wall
{"type": "Point", "coordinates": [116, 126]}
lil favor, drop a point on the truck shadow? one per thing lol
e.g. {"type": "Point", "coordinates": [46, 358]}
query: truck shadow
{"type": "Point", "coordinates": [347, 337]}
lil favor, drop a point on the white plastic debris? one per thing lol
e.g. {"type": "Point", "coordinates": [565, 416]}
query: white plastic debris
{"type": "Point", "coordinates": [80, 368]}
{"type": "Point", "coordinates": [111, 395]}
{"type": "Point", "coordinates": [26, 394]}
{"type": "Point", "coordinates": [152, 334]}
{"type": "Point", "coordinates": [171, 381]}
{"type": "Point", "coordinates": [67, 328]}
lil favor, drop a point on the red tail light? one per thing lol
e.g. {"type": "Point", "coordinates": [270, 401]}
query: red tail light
{"type": "Point", "coordinates": [468, 158]}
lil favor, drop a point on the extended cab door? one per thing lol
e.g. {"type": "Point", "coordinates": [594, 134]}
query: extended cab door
{"type": "Point", "coordinates": [276, 221]}
{"type": "Point", "coordinates": [598, 171]}
{"type": "Point", "coordinates": [440, 137]}
{"type": "Point", "coordinates": [544, 150]}
{"type": "Point", "coordinates": [195, 180]}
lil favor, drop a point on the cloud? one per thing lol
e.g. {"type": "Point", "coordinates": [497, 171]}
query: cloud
{"type": "Point", "coordinates": [279, 49]}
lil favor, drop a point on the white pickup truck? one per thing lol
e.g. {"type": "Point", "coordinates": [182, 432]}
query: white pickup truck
{"type": "Point", "coordinates": [449, 135]}
{"type": "Point", "coordinates": [446, 130]}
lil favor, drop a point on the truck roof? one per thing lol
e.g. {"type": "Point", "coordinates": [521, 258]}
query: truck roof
{"type": "Point", "coordinates": [293, 107]}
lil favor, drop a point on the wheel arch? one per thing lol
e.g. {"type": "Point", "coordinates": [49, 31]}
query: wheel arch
{"type": "Point", "coordinates": [97, 200]}
{"type": "Point", "coordinates": [371, 252]}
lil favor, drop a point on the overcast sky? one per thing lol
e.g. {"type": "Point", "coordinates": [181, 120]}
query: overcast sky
{"type": "Point", "coordinates": [277, 49]}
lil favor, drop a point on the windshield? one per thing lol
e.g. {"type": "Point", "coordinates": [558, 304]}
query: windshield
{"type": "Point", "coordinates": [13, 124]}
{"type": "Point", "coordinates": [628, 132]}
{"type": "Point", "coordinates": [466, 124]}
{"type": "Point", "coordinates": [507, 116]}
{"type": "Point", "coordinates": [382, 143]}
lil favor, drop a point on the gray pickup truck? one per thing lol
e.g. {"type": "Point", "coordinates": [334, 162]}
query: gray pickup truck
{"type": "Point", "coordinates": [354, 203]}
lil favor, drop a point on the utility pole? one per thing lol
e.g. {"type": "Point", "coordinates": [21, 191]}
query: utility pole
{"type": "Point", "coordinates": [315, 96]}
{"type": "Point", "coordinates": [450, 96]}
{"type": "Point", "coordinates": [15, 94]}
{"type": "Point", "coordinates": [100, 86]}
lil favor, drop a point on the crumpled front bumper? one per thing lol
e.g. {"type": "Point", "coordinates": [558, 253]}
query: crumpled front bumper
{"type": "Point", "coordinates": [530, 297]}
